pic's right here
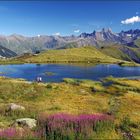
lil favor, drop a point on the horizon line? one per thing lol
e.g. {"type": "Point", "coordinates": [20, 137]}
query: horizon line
{"type": "Point", "coordinates": [61, 35]}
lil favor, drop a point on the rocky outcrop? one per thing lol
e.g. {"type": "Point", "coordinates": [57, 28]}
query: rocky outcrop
{"type": "Point", "coordinates": [25, 122]}
{"type": "Point", "coordinates": [14, 107]}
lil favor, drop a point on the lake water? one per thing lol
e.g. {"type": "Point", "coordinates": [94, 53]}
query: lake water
{"type": "Point", "coordinates": [96, 72]}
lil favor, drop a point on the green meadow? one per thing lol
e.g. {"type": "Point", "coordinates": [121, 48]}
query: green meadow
{"type": "Point", "coordinates": [119, 98]}
{"type": "Point", "coordinates": [87, 55]}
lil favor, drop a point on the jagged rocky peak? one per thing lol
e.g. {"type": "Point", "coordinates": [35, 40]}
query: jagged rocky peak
{"type": "Point", "coordinates": [106, 30]}
{"type": "Point", "coordinates": [133, 34]}
{"type": "Point", "coordinates": [136, 31]}
{"type": "Point", "coordinates": [84, 35]}
{"type": "Point", "coordinates": [107, 34]}
{"type": "Point", "coordinates": [103, 31]}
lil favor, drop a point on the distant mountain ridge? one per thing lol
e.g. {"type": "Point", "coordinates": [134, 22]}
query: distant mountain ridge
{"type": "Point", "coordinates": [20, 44]}
{"type": "Point", "coordinates": [107, 36]}
{"type": "Point", "coordinates": [6, 53]}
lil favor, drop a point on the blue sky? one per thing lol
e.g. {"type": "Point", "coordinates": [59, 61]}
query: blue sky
{"type": "Point", "coordinates": [67, 18]}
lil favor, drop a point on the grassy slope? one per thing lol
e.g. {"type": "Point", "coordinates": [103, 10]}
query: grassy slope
{"type": "Point", "coordinates": [116, 52]}
{"type": "Point", "coordinates": [72, 55]}
{"type": "Point", "coordinates": [75, 97]}
{"type": "Point", "coordinates": [137, 42]}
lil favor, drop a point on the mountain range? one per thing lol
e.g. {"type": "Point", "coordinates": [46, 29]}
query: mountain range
{"type": "Point", "coordinates": [124, 45]}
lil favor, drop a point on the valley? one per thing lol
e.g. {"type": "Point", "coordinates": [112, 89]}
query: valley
{"type": "Point", "coordinates": [95, 85]}
{"type": "Point", "coordinates": [70, 70]}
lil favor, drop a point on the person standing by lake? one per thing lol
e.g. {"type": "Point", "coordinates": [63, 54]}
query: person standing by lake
{"type": "Point", "coordinates": [39, 79]}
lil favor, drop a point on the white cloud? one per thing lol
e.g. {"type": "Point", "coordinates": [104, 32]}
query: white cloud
{"type": "Point", "coordinates": [131, 20]}
{"type": "Point", "coordinates": [76, 31]}
{"type": "Point", "coordinates": [38, 35]}
{"type": "Point", "coordinates": [57, 33]}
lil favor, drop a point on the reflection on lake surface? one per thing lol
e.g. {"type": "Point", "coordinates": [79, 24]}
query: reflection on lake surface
{"type": "Point", "coordinates": [57, 72]}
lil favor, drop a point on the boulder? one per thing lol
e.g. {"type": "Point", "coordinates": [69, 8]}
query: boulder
{"type": "Point", "coordinates": [13, 107]}
{"type": "Point", "coordinates": [26, 122]}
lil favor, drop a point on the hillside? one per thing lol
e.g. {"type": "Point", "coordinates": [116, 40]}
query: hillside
{"type": "Point", "coordinates": [106, 37]}
{"type": "Point", "coordinates": [122, 52]}
{"type": "Point", "coordinates": [4, 52]}
{"type": "Point", "coordinates": [71, 55]}
{"type": "Point", "coordinates": [137, 42]}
